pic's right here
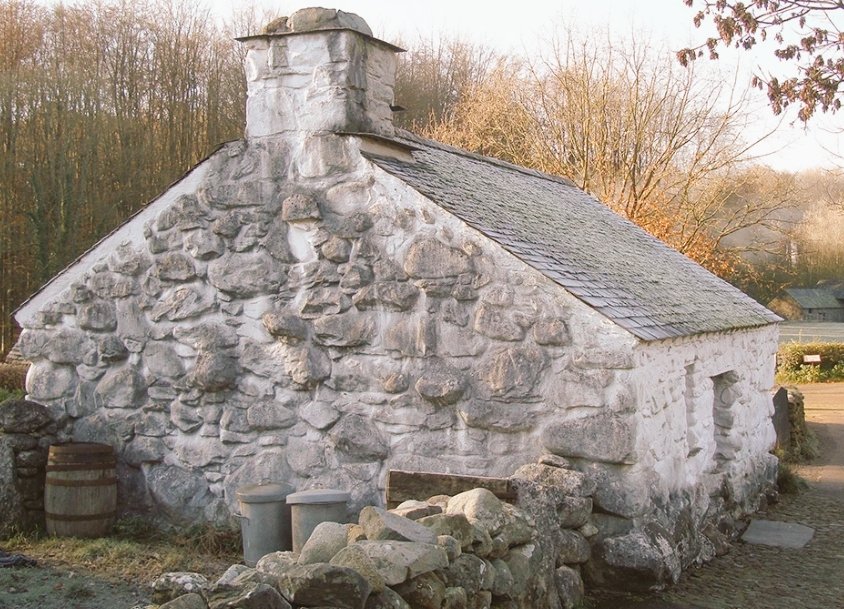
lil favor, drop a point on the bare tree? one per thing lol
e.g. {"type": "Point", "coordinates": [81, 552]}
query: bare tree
{"type": "Point", "coordinates": [102, 104]}
{"type": "Point", "coordinates": [825, 186]}
{"type": "Point", "coordinates": [433, 75]}
{"type": "Point", "coordinates": [659, 144]}
{"type": "Point", "coordinates": [819, 245]}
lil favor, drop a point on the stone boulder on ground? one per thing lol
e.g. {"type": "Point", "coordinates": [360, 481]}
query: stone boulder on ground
{"type": "Point", "coordinates": [326, 540]}
{"type": "Point", "coordinates": [388, 599]}
{"type": "Point", "coordinates": [480, 507]}
{"type": "Point", "coordinates": [324, 585]}
{"type": "Point", "coordinates": [398, 561]}
{"type": "Point", "coordinates": [237, 577]}
{"type": "Point", "coordinates": [178, 583]}
{"type": "Point", "coordinates": [186, 601]}
{"type": "Point", "coordinates": [453, 525]}
{"type": "Point", "coordinates": [276, 563]}
{"type": "Point", "coordinates": [256, 596]}
{"type": "Point", "coordinates": [354, 557]}
{"type": "Point", "coordinates": [414, 510]}
{"type": "Point", "coordinates": [638, 561]}
{"type": "Point", "coordinates": [379, 524]}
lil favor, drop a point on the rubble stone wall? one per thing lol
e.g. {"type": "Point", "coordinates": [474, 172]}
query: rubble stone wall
{"type": "Point", "coordinates": [289, 311]}
{"type": "Point", "coordinates": [704, 436]}
{"type": "Point", "coordinates": [316, 330]}
{"type": "Point", "coordinates": [318, 322]}
{"type": "Point", "coordinates": [708, 413]}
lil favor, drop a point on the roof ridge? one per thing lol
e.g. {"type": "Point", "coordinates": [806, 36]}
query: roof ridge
{"type": "Point", "coordinates": [404, 134]}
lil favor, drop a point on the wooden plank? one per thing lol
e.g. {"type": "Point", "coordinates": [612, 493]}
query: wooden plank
{"type": "Point", "coordinates": [404, 485]}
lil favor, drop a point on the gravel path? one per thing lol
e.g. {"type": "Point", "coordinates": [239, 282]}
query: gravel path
{"type": "Point", "coordinates": [825, 414]}
{"type": "Point", "coordinates": [765, 577]}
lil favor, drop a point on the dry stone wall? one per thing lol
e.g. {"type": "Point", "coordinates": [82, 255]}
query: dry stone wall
{"type": "Point", "coordinates": [468, 551]}
{"type": "Point", "coordinates": [26, 432]}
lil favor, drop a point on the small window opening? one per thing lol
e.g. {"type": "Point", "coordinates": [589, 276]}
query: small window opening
{"type": "Point", "coordinates": [693, 425]}
{"type": "Point", "coordinates": [723, 410]}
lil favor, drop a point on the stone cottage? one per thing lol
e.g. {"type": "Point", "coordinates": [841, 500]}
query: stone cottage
{"type": "Point", "coordinates": [331, 297]}
{"type": "Point", "coordinates": [824, 302]}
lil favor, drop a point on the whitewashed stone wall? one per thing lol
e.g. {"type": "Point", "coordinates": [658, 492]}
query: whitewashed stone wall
{"type": "Point", "coordinates": [317, 330]}
{"type": "Point", "coordinates": [704, 435]}
{"type": "Point", "coordinates": [323, 329]}
{"type": "Point", "coordinates": [351, 91]}
{"type": "Point", "coordinates": [707, 416]}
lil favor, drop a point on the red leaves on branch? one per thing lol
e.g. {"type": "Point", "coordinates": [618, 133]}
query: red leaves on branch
{"type": "Point", "coordinates": [810, 24]}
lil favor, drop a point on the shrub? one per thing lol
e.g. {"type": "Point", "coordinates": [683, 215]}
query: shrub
{"type": "Point", "coordinates": [803, 445]}
{"type": "Point", "coordinates": [13, 376]}
{"type": "Point", "coordinates": [791, 369]}
{"type": "Point", "coordinates": [788, 481]}
{"type": "Point", "coordinates": [16, 394]}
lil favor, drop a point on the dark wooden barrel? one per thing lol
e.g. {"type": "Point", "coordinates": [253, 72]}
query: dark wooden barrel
{"type": "Point", "coordinates": [80, 495]}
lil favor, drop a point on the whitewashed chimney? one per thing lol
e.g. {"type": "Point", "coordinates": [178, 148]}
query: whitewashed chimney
{"type": "Point", "coordinates": [319, 70]}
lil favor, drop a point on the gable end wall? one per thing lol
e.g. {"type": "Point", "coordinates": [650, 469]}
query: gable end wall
{"type": "Point", "coordinates": [317, 322]}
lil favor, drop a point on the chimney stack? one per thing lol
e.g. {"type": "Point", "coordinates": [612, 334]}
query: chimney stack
{"type": "Point", "coordinates": [319, 70]}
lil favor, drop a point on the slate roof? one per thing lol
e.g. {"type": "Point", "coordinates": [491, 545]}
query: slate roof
{"type": "Point", "coordinates": [815, 298]}
{"type": "Point", "coordinates": [835, 287]}
{"type": "Point", "coordinates": [606, 261]}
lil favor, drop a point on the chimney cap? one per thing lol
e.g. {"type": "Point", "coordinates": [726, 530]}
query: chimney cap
{"type": "Point", "coordinates": [389, 45]}
{"type": "Point", "coordinates": [316, 19]}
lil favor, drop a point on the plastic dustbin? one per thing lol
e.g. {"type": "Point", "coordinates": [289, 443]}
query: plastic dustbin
{"type": "Point", "coordinates": [264, 520]}
{"type": "Point", "coordinates": [309, 508]}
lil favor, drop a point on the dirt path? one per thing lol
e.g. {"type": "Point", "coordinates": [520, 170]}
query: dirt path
{"type": "Point", "coordinates": [825, 416]}
{"type": "Point", "coordinates": [61, 588]}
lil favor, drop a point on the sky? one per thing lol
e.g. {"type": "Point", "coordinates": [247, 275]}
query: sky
{"type": "Point", "coordinates": [523, 27]}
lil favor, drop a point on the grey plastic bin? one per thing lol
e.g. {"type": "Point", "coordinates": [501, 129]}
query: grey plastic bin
{"type": "Point", "coordinates": [309, 508]}
{"type": "Point", "coordinates": [264, 520]}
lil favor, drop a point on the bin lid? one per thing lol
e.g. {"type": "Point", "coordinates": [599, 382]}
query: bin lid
{"type": "Point", "coordinates": [263, 493]}
{"type": "Point", "coordinates": [318, 495]}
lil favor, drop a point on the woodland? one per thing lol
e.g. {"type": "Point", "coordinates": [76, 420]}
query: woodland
{"type": "Point", "coordinates": [104, 103]}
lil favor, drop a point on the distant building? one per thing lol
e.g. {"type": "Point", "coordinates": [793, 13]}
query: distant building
{"type": "Point", "coordinates": [824, 302]}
